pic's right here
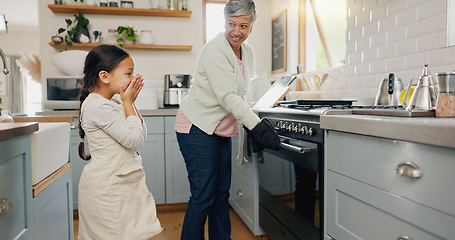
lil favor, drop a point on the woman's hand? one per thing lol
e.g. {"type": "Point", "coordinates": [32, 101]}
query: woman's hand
{"type": "Point", "coordinates": [133, 89]}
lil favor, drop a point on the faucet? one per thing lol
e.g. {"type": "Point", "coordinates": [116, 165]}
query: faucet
{"type": "Point", "coordinates": [5, 69]}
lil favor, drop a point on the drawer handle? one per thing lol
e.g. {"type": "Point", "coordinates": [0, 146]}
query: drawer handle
{"type": "Point", "coordinates": [5, 206]}
{"type": "Point", "coordinates": [408, 169]}
{"type": "Point", "coordinates": [74, 126]}
{"type": "Point", "coordinates": [240, 193]}
{"type": "Point", "coordinates": [404, 238]}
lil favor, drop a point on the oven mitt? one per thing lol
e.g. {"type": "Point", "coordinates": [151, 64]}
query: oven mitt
{"type": "Point", "coordinates": [264, 136]}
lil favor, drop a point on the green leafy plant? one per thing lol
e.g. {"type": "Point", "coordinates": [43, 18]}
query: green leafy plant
{"type": "Point", "coordinates": [128, 32]}
{"type": "Point", "coordinates": [71, 27]}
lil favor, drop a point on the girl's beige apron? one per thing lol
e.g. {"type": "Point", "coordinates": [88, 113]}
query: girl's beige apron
{"type": "Point", "coordinates": [114, 202]}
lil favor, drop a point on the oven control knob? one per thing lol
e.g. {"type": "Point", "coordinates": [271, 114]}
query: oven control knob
{"type": "Point", "coordinates": [277, 125]}
{"type": "Point", "coordinates": [283, 125]}
{"type": "Point", "coordinates": [310, 131]}
{"type": "Point", "coordinates": [289, 128]}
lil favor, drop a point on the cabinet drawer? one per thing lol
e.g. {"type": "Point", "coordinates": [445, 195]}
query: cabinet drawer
{"type": "Point", "coordinates": [359, 211]}
{"type": "Point", "coordinates": [154, 124]}
{"type": "Point", "coordinates": [373, 161]}
{"type": "Point", "coordinates": [242, 196]}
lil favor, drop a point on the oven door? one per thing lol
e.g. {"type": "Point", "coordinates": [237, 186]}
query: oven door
{"type": "Point", "coordinates": [289, 200]}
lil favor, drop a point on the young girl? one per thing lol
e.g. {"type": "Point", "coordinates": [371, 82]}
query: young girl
{"type": "Point", "coordinates": [114, 202]}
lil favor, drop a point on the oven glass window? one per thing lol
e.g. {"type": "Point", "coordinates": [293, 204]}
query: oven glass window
{"type": "Point", "coordinates": [293, 180]}
{"type": "Point", "coordinates": [63, 89]}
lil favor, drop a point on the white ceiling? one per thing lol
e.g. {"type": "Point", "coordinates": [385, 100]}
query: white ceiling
{"type": "Point", "coordinates": [20, 14]}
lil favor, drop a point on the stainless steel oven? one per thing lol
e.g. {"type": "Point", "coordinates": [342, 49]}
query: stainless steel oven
{"type": "Point", "coordinates": [291, 180]}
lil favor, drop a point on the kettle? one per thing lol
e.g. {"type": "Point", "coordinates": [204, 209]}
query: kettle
{"type": "Point", "coordinates": [389, 91]}
{"type": "Point", "coordinates": [425, 93]}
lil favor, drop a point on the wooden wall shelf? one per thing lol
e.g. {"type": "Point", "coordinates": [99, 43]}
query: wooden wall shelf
{"type": "Point", "coordinates": [88, 46]}
{"type": "Point", "coordinates": [118, 11]}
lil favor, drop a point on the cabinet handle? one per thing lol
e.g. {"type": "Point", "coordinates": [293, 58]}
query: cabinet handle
{"type": "Point", "coordinates": [73, 126]}
{"type": "Point", "coordinates": [404, 238]}
{"type": "Point", "coordinates": [5, 206]}
{"type": "Point", "coordinates": [240, 193]}
{"type": "Point", "coordinates": [408, 169]}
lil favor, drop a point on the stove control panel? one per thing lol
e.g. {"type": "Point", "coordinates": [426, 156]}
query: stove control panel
{"type": "Point", "coordinates": [293, 127]}
{"type": "Point", "coordinates": [298, 129]}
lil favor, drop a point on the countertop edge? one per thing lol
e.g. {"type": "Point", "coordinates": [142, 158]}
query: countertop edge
{"type": "Point", "coordinates": [431, 131]}
{"type": "Point", "coordinates": [12, 130]}
{"type": "Point", "coordinates": [143, 112]}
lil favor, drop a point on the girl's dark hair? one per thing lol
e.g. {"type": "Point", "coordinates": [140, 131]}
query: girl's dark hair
{"type": "Point", "coordinates": [100, 58]}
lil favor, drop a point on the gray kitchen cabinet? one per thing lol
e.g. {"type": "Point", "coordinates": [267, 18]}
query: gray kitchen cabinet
{"type": "Point", "coordinates": [153, 158]}
{"type": "Point", "coordinates": [244, 192]}
{"type": "Point", "coordinates": [53, 210]}
{"type": "Point", "coordinates": [16, 189]}
{"type": "Point", "coordinates": [77, 164]}
{"type": "Point", "coordinates": [177, 185]}
{"type": "Point", "coordinates": [163, 164]}
{"type": "Point", "coordinates": [380, 188]}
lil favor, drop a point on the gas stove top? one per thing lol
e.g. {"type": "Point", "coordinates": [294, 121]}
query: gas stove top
{"type": "Point", "coordinates": [336, 107]}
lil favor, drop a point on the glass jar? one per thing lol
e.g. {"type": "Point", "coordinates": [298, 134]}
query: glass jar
{"type": "Point", "coordinates": [112, 36]}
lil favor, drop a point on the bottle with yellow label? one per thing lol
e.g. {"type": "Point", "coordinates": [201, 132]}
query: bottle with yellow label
{"type": "Point", "coordinates": [6, 117]}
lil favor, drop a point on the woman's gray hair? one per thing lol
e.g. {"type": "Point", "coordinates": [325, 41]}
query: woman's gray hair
{"type": "Point", "coordinates": [234, 8]}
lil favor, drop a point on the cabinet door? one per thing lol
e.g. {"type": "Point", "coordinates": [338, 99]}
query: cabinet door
{"type": "Point", "coordinates": [53, 211]}
{"type": "Point", "coordinates": [16, 189]}
{"type": "Point", "coordinates": [152, 153]}
{"type": "Point", "coordinates": [177, 185]}
{"type": "Point", "coordinates": [77, 164]}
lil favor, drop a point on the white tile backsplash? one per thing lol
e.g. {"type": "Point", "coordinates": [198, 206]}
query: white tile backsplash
{"type": "Point", "coordinates": [387, 23]}
{"type": "Point", "coordinates": [395, 6]}
{"type": "Point", "coordinates": [384, 36]}
{"type": "Point", "coordinates": [386, 52]}
{"type": "Point", "coordinates": [377, 67]}
{"type": "Point", "coordinates": [379, 39]}
{"type": "Point", "coordinates": [430, 8]}
{"type": "Point", "coordinates": [396, 35]}
{"type": "Point", "coordinates": [395, 64]}
{"type": "Point", "coordinates": [406, 16]}
{"type": "Point", "coordinates": [406, 47]}
{"type": "Point", "coordinates": [428, 42]}
{"type": "Point", "coordinates": [415, 29]}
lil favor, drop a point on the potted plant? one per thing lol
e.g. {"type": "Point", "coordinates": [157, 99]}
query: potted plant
{"type": "Point", "coordinates": [76, 30]}
{"type": "Point", "coordinates": [128, 35]}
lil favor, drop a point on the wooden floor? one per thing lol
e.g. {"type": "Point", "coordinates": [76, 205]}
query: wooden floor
{"type": "Point", "coordinates": [171, 218]}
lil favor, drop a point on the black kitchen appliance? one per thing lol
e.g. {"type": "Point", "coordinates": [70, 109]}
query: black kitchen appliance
{"type": "Point", "coordinates": [296, 213]}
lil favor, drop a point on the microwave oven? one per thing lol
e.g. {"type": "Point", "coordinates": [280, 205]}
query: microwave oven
{"type": "Point", "coordinates": [61, 93]}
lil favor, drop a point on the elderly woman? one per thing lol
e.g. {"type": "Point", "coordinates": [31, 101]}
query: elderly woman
{"type": "Point", "coordinates": [208, 117]}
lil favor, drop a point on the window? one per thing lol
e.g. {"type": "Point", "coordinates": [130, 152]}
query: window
{"type": "Point", "coordinates": [322, 33]}
{"type": "Point", "coordinates": [213, 18]}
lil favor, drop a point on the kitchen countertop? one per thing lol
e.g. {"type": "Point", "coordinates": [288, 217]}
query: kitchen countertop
{"type": "Point", "coordinates": [426, 130]}
{"type": "Point", "coordinates": [144, 112]}
{"type": "Point", "coordinates": [11, 130]}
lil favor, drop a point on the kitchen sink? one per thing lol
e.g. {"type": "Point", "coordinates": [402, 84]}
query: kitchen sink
{"type": "Point", "coordinates": [50, 149]}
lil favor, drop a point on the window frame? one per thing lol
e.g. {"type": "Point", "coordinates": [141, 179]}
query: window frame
{"type": "Point", "coordinates": [204, 27]}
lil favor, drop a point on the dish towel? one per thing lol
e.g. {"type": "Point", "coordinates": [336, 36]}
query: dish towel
{"type": "Point", "coordinates": [243, 146]}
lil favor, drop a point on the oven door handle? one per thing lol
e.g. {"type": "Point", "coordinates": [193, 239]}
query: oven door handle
{"type": "Point", "coordinates": [296, 149]}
